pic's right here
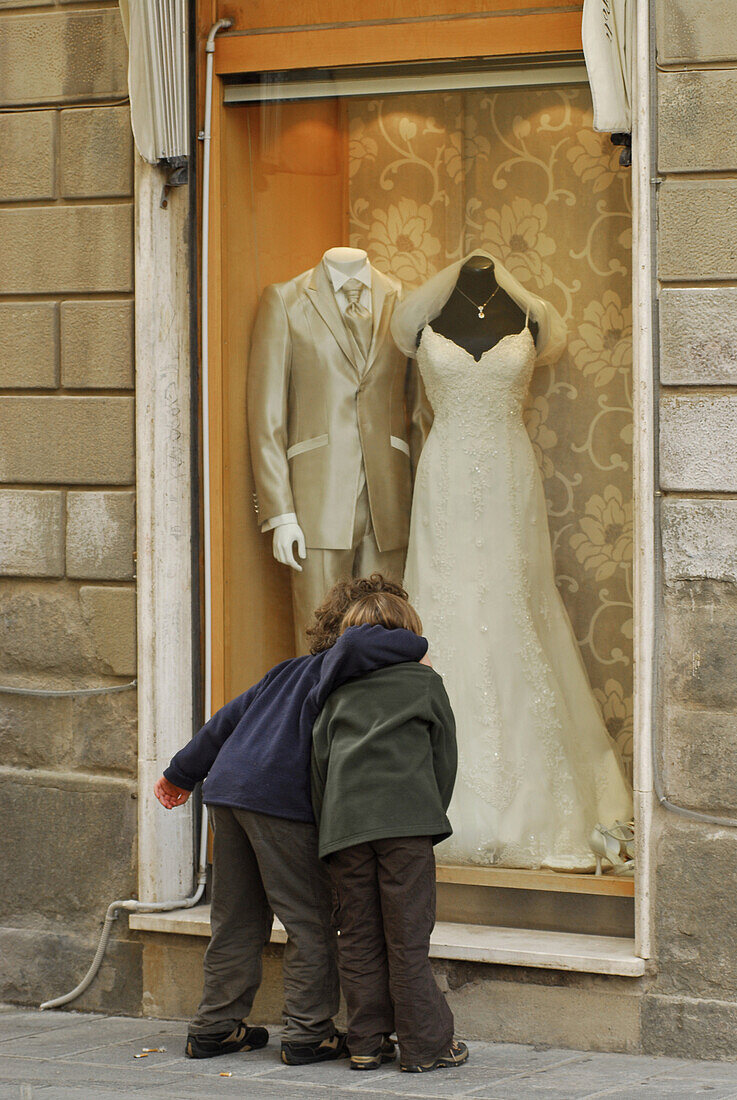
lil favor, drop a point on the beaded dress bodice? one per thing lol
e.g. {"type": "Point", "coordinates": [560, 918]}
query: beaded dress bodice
{"type": "Point", "coordinates": [476, 392]}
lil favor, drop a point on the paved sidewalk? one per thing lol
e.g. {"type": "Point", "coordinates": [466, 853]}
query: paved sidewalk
{"type": "Point", "coordinates": [71, 1056]}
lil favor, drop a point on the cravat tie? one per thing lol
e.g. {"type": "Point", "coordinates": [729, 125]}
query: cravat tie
{"type": "Point", "coordinates": [357, 317]}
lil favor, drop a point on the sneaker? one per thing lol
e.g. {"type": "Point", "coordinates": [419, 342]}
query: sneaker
{"type": "Point", "coordinates": [306, 1054]}
{"type": "Point", "coordinates": [240, 1038]}
{"type": "Point", "coordinates": [455, 1055]}
{"type": "Point", "coordinates": [387, 1052]}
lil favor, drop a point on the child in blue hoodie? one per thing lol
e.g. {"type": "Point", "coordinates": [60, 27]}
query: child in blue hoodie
{"type": "Point", "coordinates": [254, 758]}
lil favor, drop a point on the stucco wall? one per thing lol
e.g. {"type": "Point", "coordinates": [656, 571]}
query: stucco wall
{"type": "Point", "coordinates": [67, 589]}
{"type": "Point", "coordinates": [692, 1007]}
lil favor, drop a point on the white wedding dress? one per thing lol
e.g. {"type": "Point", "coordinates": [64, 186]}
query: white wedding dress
{"type": "Point", "coordinates": [537, 769]}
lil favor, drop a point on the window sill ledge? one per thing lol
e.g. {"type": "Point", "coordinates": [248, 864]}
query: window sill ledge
{"type": "Point", "coordinates": [463, 943]}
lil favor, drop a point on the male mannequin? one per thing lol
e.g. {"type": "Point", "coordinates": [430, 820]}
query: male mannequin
{"type": "Point", "coordinates": [337, 418]}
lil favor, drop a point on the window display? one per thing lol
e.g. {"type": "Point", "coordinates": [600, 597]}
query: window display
{"type": "Point", "coordinates": [481, 235]}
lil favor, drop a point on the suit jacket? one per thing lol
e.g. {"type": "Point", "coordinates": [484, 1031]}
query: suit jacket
{"type": "Point", "coordinates": [315, 413]}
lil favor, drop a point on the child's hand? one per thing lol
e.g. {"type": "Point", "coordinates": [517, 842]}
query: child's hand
{"type": "Point", "coordinates": [168, 795]}
{"type": "Point", "coordinates": [426, 661]}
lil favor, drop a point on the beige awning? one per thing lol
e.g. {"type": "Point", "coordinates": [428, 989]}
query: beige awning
{"type": "Point", "coordinates": [608, 44]}
{"type": "Point", "coordinates": [156, 31]}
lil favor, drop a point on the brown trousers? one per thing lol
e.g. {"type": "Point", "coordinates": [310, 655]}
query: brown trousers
{"type": "Point", "coordinates": [386, 912]}
{"type": "Point", "coordinates": [263, 865]}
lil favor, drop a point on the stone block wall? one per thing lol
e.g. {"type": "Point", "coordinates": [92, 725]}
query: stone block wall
{"type": "Point", "coordinates": [67, 511]}
{"type": "Point", "coordinates": [691, 1010]}
{"type": "Point", "coordinates": [67, 503]}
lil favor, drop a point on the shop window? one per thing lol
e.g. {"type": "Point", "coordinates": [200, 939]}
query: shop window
{"type": "Point", "coordinates": [419, 179]}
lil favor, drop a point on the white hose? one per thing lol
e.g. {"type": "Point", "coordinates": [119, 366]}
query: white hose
{"type": "Point", "coordinates": [222, 24]}
{"type": "Point", "coordinates": [130, 905]}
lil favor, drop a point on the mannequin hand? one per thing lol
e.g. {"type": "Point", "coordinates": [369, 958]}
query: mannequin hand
{"type": "Point", "coordinates": [169, 795]}
{"type": "Point", "coordinates": [285, 537]}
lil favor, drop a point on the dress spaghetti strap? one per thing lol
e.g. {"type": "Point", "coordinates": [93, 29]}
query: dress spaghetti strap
{"type": "Point", "coordinates": [527, 318]}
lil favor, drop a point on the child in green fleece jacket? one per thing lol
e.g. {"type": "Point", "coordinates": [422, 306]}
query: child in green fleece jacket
{"type": "Point", "coordinates": [383, 767]}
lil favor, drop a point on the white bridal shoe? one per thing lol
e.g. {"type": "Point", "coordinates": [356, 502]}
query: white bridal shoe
{"type": "Point", "coordinates": [616, 845]}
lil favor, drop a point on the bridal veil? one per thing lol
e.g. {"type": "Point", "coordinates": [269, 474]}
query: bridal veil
{"type": "Point", "coordinates": [423, 305]}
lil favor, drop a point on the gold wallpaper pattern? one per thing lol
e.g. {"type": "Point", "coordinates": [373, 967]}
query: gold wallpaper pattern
{"type": "Point", "coordinates": [521, 174]}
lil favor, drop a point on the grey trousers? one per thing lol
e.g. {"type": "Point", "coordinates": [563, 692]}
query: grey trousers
{"type": "Point", "coordinates": [264, 865]}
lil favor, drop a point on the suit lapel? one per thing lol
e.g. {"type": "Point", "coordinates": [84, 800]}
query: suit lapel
{"type": "Point", "coordinates": [382, 298]}
{"type": "Point", "coordinates": [320, 293]}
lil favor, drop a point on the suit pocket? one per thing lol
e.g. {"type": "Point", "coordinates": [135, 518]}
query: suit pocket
{"type": "Point", "coordinates": [399, 444]}
{"type": "Point", "coordinates": [308, 445]}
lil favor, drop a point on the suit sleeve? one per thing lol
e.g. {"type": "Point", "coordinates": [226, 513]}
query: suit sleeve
{"type": "Point", "coordinates": [443, 735]}
{"type": "Point", "coordinates": [268, 385]}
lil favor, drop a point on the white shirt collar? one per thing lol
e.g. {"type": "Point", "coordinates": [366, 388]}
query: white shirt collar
{"type": "Point", "coordinates": [338, 278]}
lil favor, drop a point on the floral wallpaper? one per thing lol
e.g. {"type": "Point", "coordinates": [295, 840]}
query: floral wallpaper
{"type": "Point", "coordinates": [521, 174]}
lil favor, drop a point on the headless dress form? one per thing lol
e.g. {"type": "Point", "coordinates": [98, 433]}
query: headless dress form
{"type": "Point", "coordinates": [537, 769]}
{"type": "Point", "coordinates": [459, 318]}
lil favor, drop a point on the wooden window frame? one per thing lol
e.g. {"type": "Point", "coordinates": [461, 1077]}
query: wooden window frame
{"type": "Point", "coordinates": [491, 35]}
{"type": "Point", "coordinates": [450, 35]}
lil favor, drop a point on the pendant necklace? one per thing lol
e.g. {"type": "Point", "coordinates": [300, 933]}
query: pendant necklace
{"type": "Point", "coordinates": [483, 305]}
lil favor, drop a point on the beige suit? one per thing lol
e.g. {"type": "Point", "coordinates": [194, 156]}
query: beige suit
{"type": "Point", "coordinates": [322, 422]}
